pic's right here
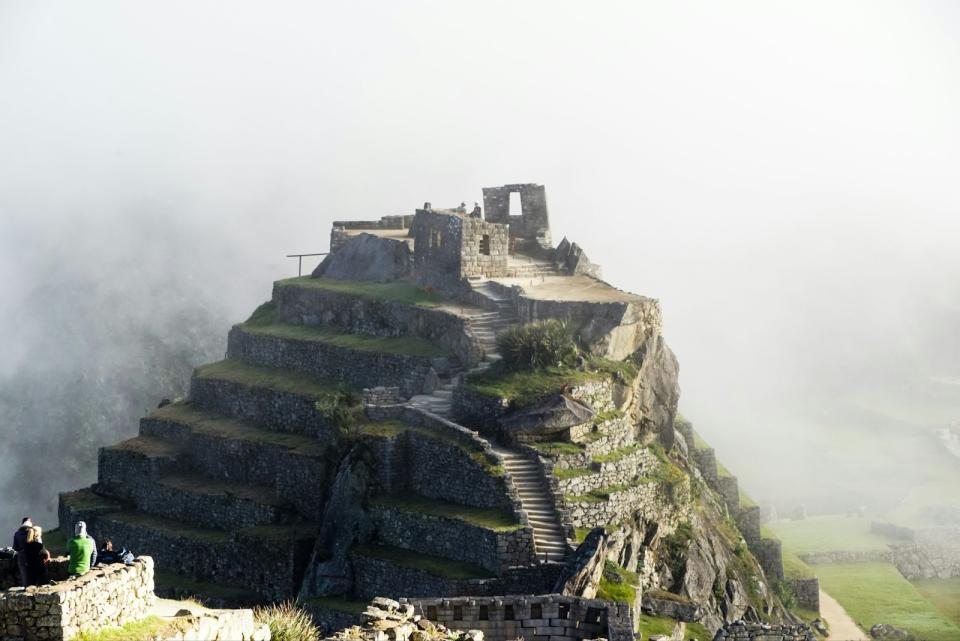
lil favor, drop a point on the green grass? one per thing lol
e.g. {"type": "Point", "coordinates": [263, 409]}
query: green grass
{"type": "Point", "coordinates": [944, 594]}
{"type": "Point", "coordinates": [402, 345]}
{"type": "Point", "coordinates": [523, 388]}
{"type": "Point", "coordinates": [278, 380]}
{"type": "Point", "coordinates": [395, 292]}
{"type": "Point", "coordinates": [557, 448]}
{"type": "Point", "coordinates": [495, 520]}
{"type": "Point", "coordinates": [618, 584]}
{"type": "Point", "coordinates": [827, 534]}
{"type": "Point", "coordinates": [794, 568]}
{"type": "Point", "coordinates": [651, 625]}
{"type": "Point", "coordinates": [152, 627]}
{"type": "Point", "coordinates": [616, 455]}
{"type": "Point", "coordinates": [571, 473]}
{"type": "Point", "coordinates": [697, 632]}
{"type": "Point", "coordinates": [85, 500]}
{"type": "Point", "coordinates": [340, 604]}
{"type": "Point", "coordinates": [444, 568]}
{"type": "Point", "coordinates": [877, 593]}
{"type": "Point", "coordinates": [746, 500]}
{"type": "Point", "coordinates": [602, 494]}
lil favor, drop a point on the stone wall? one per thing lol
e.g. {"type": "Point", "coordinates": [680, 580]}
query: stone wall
{"type": "Point", "coordinates": [355, 367]}
{"type": "Point", "coordinates": [479, 410]}
{"type": "Point", "coordinates": [359, 315]}
{"type": "Point", "coordinates": [741, 631]}
{"type": "Point", "coordinates": [449, 247]}
{"type": "Point", "coordinates": [339, 233]}
{"type": "Point", "coordinates": [279, 411]}
{"type": "Point", "coordinates": [106, 596]}
{"type": "Point", "coordinates": [10, 571]}
{"type": "Point", "coordinates": [847, 556]}
{"type": "Point", "coordinates": [549, 616]}
{"type": "Point", "coordinates": [769, 554]}
{"type": "Point", "coordinates": [748, 522]}
{"type": "Point", "coordinates": [221, 625]}
{"type": "Point", "coordinates": [454, 539]}
{"type": "Point", "coordinates": [806, 592]}
{"type": "Point", "coordinates": [485, 248]}
{"type": "Point", "coordinates": [935, 553]}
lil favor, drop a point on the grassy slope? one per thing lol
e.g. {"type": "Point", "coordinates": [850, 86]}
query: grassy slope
{"type": "Point", "coordinates": [396, 291]}
{"type": "Point", "coordinates": [446, 568]}
{"type": "Point", "coordinates": [828, 534]}
{"type": "Point", "coordinates": [491, 519]}
{"type": "Point", "coordinates": [944, 594]}
{"type": "Point", "coordinates": [278, 380]}
{"type": "Point", "coordinates": [877, 593]}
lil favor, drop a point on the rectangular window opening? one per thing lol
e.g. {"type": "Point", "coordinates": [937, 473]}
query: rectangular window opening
{"type": "Point", "coordinates": [432, 612]}
{"type": "Point", "coordinates": [485, 245]}
{"type": "Point", "coordinates": [458, 613]}
{"type": "Point", "coordinates": [484, 613]}
{"type": "Point", "coordinates": [508, 614]}
{"type": "Point", "coordinates": [536, 611]}
{"type": "Point", "coordinates": [516, 207]}
{"type": "Point", "coordinates": [593, 615]}
{"type": "Point", "coordinates": [564, 611]}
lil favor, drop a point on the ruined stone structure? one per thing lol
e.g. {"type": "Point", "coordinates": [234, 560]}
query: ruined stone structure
{"type": "Point", "coordinates": [363, 438]}
{"type": "Point", "coordinates": [105, 597]}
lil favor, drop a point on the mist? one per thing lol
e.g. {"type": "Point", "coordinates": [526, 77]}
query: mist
{"type": "Point", "coordinates": [780, 175]}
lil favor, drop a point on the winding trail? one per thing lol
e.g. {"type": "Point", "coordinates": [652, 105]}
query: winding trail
{"type": "Point", "coordinates": [842, 627]}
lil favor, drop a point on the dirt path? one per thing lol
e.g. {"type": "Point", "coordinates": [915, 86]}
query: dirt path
{"type": "Point", "coordinates": [842, 627]}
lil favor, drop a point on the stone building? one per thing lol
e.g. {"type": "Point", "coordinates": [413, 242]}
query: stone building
{"type": "Point", "coordinates": [450, 245]}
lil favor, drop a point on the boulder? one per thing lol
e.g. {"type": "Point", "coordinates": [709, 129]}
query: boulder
{"type": "Point", "coordinates": [367, 257]}
{"type": "Point", "coordinates": [887, 632]}
{"type": "Point", "coordinates": [554, 414]}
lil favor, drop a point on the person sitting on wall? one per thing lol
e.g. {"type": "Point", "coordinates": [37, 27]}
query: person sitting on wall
{"type": "Point", "coordinates": [82, 550]}
{"type": "Point", "coordinates": [19, 543]}
{"type": "Point", "coordinates": [37, 557]}
{"type": "Point", "coordinates": [109, 555]}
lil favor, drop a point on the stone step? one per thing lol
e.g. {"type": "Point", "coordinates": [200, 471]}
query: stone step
{"type": "Point", "coordinates": [267, 559]}
{"type": "Point", "coordinates": [226, 449]}
{"type": "Point", "coordinates": [281, 400]}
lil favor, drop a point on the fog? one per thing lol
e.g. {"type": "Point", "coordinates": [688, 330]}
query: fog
{"type": "Point", "coordinates": [782, 176]}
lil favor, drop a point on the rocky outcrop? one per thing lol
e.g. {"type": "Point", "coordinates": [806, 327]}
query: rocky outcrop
{"type": "Point", "coordinates": [887, 632]}
{"type": "Point", "coordinates": [582, 577]}
{"type": "Point", "coordinates": [387, 620]}
{"type": "Point", "coordinates": [553, 415]}
{"type": "Point", "coordinates": [656, 391]}
{"type": "Point", "coordinates": [367, 257]}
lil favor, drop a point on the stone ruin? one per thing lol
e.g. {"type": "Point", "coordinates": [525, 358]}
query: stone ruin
{"type": "Point", "coordinates": [353, 432]}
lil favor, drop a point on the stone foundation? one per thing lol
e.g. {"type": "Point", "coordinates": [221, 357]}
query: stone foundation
{"type": "Point", "coordinates": [762, 632]}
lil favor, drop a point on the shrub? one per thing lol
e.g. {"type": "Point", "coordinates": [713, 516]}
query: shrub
{"type": "Point", "coordinates": [537, 346]}
{"type": "Point", "coordinates": [287, 622]}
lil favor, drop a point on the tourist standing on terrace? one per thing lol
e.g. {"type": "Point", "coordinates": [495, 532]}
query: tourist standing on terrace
{"type": "Point", "coordinates": [19, 545]}
{"type": "Point", "coordinates": [37, 557]}
{"type": "Point", "coordinates": [82, 550]}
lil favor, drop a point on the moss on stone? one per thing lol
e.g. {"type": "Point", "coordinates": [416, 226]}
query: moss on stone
{"type": "Point", "coordinates": [490, 519]}
{"type": "Point", "coordinates": [438, 566]}
{"type": "Point", "coordinates": [571, 473]}
{"type": "Point", "coordinates": [152, 627]}
{"type": "Point", "coordinates": [616, 455]}
{"type": "Point", "coordinates": [558, 448]}
{"type": "Point", "coordinates": [392, 429]}
{"type": "Point", "coordinates": [395, 291]}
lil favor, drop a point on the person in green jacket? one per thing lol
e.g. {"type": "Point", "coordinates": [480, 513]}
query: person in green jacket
{"type": "Point", "coordinates": [82, 550]}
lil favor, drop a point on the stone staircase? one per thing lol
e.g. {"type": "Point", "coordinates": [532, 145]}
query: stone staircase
{"type": "Point", "coordinates": [537, 502]}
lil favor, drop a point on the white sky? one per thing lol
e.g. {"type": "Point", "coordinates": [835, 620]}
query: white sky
{"type": "Point", "coordinates": [782, 175]}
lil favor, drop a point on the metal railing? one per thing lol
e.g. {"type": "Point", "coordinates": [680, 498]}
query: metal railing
{"type": "Point", "coordinates": [299, 258]}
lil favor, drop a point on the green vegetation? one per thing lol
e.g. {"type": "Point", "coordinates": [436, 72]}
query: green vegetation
{"type": "Point", "coordinates": [794, 568]}
{"type": "Point", "coordinates": [152, 627]}
{"type": "Point", "coordinates": [394, 292]}
{"type": "Point", "coordinates": [537, 346]}
{"type": "Point", "coordinates": [944, 594]}
{"type": "Point", "coordinates": [340, 604]}
{"type": "Point", "coordinates": [526, 388]}
{"type": "Point", "coordinates": [651, 625]}
{"type": "Point", "coordinates": [557, 448]}
{"type": "Point", "coordinates": [390, 429]}
{"type": "Point", "coordinates": [616, 455]}
{"type": "Point", "coordinates": [618, 584]}
{"type": "Point", "coordinates": [85, 500]}
{"type": "Point", "coordinates": [263, 315]}
{"type": "Point", "coordinates": [278, 380]}
{"type": "Point", "coordinates": [402, 345]}
{"type": "Point", "coordinates": [668, 474]}
{"type": "Point", "coordinates": [571, 473]}
{"type": "Point", "coordinates": [877, 593]}
{"type": "Point", "coordinates": [608, 415]}
{"type": "Point", "coordinates": [828, 534]}
{"type": "Point", "coordinates": [55, 541]}
{"type": "Point", "coordinates": [219, 426]}
{"type": "Point", "coordinates": [746, 500]}
{"type": "Point", "coordinates": [490, 519]}
{"type": "Point", "coordinates": [287, 622]}
{"type": "Point", "coordinates": [445, 568]}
